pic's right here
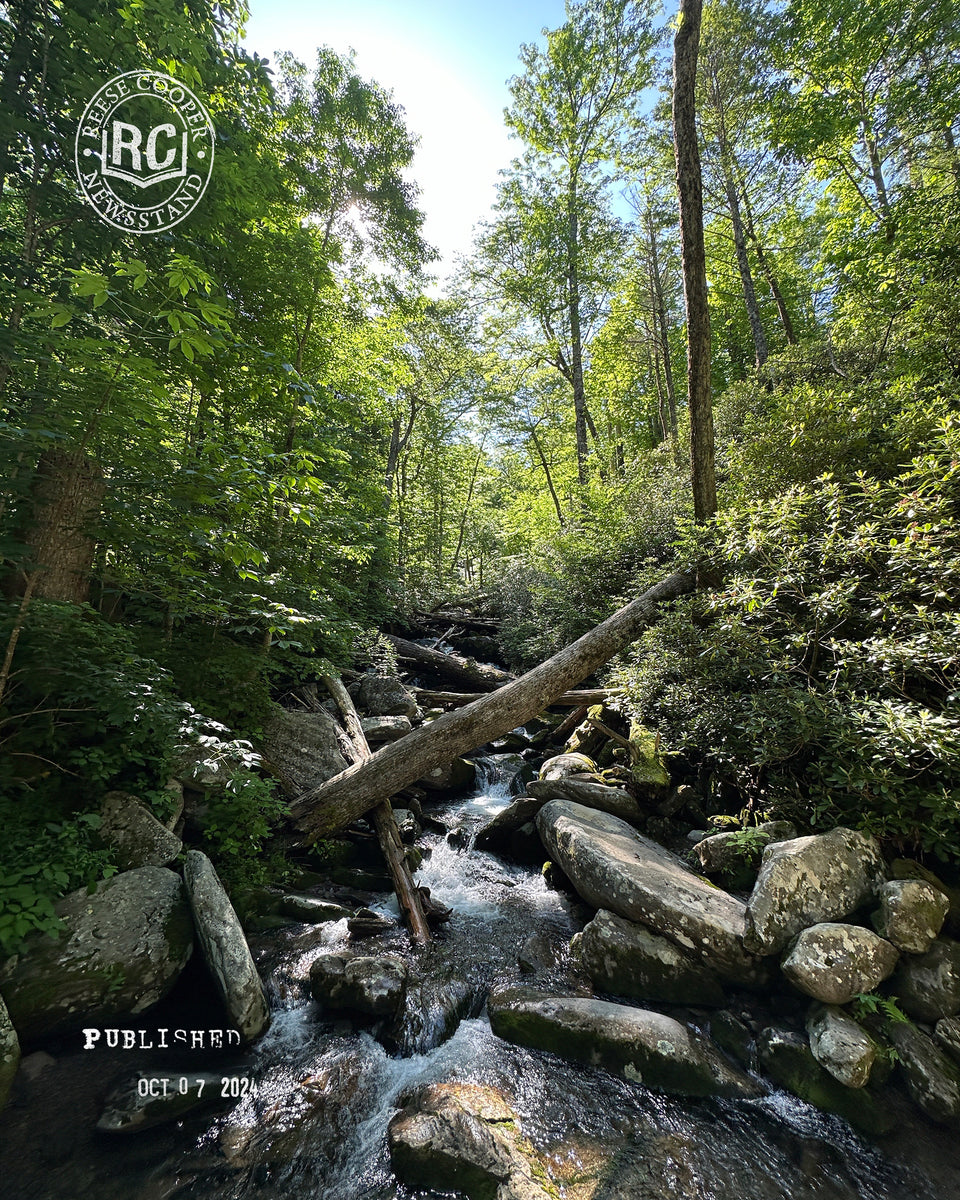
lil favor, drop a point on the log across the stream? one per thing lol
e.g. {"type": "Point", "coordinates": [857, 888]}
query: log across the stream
{"type": "Point", "coordinates": [322, 810]}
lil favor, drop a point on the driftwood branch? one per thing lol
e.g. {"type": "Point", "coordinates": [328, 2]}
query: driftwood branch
{"type": "Point", "coordinates": [383, 820]}
{"type": "Point", "coordinates": [458, 670]}
{"type": "Point", "coordinates": [348, 795]}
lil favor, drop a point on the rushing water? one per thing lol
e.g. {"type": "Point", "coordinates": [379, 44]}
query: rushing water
{"type": "Point", "coordinates": [313, 1125]}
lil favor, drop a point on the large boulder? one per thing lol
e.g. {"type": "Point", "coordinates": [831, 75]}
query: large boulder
{"type": "Point", "coordinates": [302, 749]}
{"type": "Point", "coordinates": [225, 948]}
{"type": "Point", "coordinates": [612, 867]}
{"type": "Point", "coordinates": [834, 962]}
{"type": "Point", "coordinates": [807, 880]}
{"type": "Point", "coordinates": [586, 791]}
{"type": "Point", "coordinates": [562, 765]}
{"type": "Point", "coordinates": [380, 730]}
{"type": "Point", "coordinates": [121, 950]}
{"type": "Point", "coordinates": [9, 1054]}
{"type": "Point", "coordinates": [385, 696]}
{"type": "Point", "coordinates": [841, 1045]}
{"type": "Point", "coordinates": [465, 1138]}
{"type": "Point", "coordinates": [454, 776]}
{"type": "Point", "coordinates": [497, 832]}
{"type": "Point", "coordinates": [929, 984]}
{"type": "Point", "coordinates": [790, 1063]}
{"type": "Point", "coordinates": [372, 986]}
{"type": "Point", "coordinates": [627, 959]}
{"type": "Point", "coordinates": [911, 914]}
{"type": "Point", "coordinates": [137, 837]}
{"type": "Point", "coordinates": [933, 1079]}
{"type": "Point", "coordinates": [645, 1047]}
{"type": "Point", "coordinates": [947, 1036]}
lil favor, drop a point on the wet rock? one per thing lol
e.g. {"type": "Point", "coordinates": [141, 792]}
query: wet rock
{"type": "Point", "coordinates": [9, 1053]}
{"type": "Point", "coordinates": [536, 954]}
{"type": "Point", "coordinates": [626, 959]}
{"type": "Point", "coordinates": [225, 949]}
{"type": "Point", "coordinates": [645, 1047]}
{"type": "Point", "coordinates": [380, 730]}
{"type": "Point", "coordinates": [911, 914]}
{"type": "Point", "coordinates": [790, 1063]}
{"type": "Point", "coordinates": [562, 765]}
{"type": "Point", "coordinates": [385, 696]}
{"type": "Point", "coordinates": [367, 923]}
{"type": "Point", "coordinates": [302, 749]}
{"type": "Point", "coordinates": [591, 794]}
{"type": "Point", "coordinates": [311, 910]}
{"type": "Point", "coordinates": [834, 962]}
{"type": "Point", "coordinates": [458, 775]}
{"type": "Point", "coordinates": [144, 1101]}
{"type": "Point", "coordinates": [371, 986]}
{"type": "Point", "coordinates": [732, 850]}
{"type": "Point", "coordinates": [137, 837]}
{"type": "Point", "coordinates": [947, 1036]}
{"type": "Point", "coordinates": [733, 1038]}
{"type": "Point", "coordinates": [929, 984]}
{"type": "Point", "coordinates": [525, 845]}
{"type": "Point", "coordinates": [121, 951]}
{"type": "Point", "coordinates": [495, 835]}
{"type": "Point", "coordinates": [810, 879]}
{"type": "Point", "coordinates": [933, 1079]}
{"type": "Point", "coordinates": [841, 1046]}
{"type": "Point", "coordinates": [407, 825]}
{"type": "Point", "coordinates": [464, 1138]}
{"type": "Point", "coordinates": [613, 867]}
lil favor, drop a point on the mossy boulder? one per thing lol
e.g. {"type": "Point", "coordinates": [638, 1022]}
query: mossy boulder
{"type": "Point", "coordinates": [638, 1045]}
{"type": "Point", "coordinates": [121, 950]}
{"type": "Point", "coordinates": [841, 1045]}
{"type": "Point", "coordinates": [834, 961]}
{"type": "Point", "coordinates": [929, 984]}
{"type": "Point", "coordinates": [911, 914]}
{"type": "Point", "coordinates": [647, 764]}
{"type": "Point", "coordinates": [137, 837]}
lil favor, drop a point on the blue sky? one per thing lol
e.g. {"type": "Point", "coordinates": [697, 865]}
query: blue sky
{"type": "Point", "coordinates": [447, 64]}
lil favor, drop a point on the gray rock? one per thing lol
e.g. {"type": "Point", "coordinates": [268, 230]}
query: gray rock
{"type": "Point", "coordinates": [834, 962]}
{"type": "Point", "coordinates": [947, 1036]}
{"type": "Point", "coordinates": [933, 1080]}
{"type": "Point", "coordinates": [367, 923]}
{"type": "Point", "coordinates": [225, 948]}
{"type": "Point", "coordinates": [131, 1108]}
{"type": "Point", "coordinates": [380, 730]}
{"type": "Point", "coordinates": [645, 1047]}
{"type": "Point", "coordinates": [311, 910]}
{"type": "Point", "coordinates": [790, 1063]}
{"type": "Point", "coordinates": [536, 954]}
{"type": "Point", "coordinates": [457, 775]}
{"type": "Point", "coordinates": [495, 835]}
{"type": "Point", "coordinates": [562, 765]}
{"type": "Point", "coordinates": [626, 959]}
{"type": "Point", "coordinates": [591, 794]}
{"type": "Point", "coordinates": [385, 696]}
{"type": "Point", "coordinates": [612, 867]}
{"type": "Point", "coordinates": [929, 984]}
{"type": "Point", "coordinates": [135, 834]}
{"type": "Point", "coordinates": [463, 1137]}
{"type": "Point", "coordinates": [372, 986]}
{"type": "Point", "coordinates": [807, 880]}
{"type": "Point", "coordinates": [175, 790]}
{"type": "Point", "coordinates": [302, 749]}
{"type": "Point", "coordinates": [201, 768]}
{"type": "Point", "coordinates": [733, 850]}
{"type": "Point", "coordinates": [121, 951]}
{"type": "Point", "coordinates": [9, 1054]}
{"type": "Point", "coordinates": [911, 914]}
{"type": "Point", "coordinates": [407, 825]}
{"type": "Point", "coordinates": [841, 1046]}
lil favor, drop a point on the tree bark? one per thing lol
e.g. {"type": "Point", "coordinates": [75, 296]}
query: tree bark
{"type": "Point", "coordinates": [686, 46]}
{"type": "Point", "coordinates": [472, 675]}
{"type": "Point", "coordinates": [384, 821]}
{"type": "Point", "coordinates": [767, 269]}
{"type": "Point", "coordinates": [576, 336]}
{"type": "Point", "coordinates": [660, 320]}
{"type": "Point", "coordinates": [568, 700]}
{"type": "Point", "coordinates": [348, 795]}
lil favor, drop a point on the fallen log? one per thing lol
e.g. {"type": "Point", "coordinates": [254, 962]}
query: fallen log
{"type": "Point", "coordinates": [447, 666]}
{"type": "Point", "coordinates": [320, 811]}
{"type": "Point", "coordinates": [388, 835]}
{"type": "Point", "coordinates": [576, 699]}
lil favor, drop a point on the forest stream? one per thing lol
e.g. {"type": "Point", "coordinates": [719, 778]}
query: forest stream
{"type": "Point", "coordinates": [313, 1121]}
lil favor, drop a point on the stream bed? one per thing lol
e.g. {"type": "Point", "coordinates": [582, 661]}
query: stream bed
{"type": "Point", "coordinates": [310, 1104]}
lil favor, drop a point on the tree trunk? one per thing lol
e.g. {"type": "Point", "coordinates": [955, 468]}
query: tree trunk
{"type": "Point", "coordinates": [384, 821]}
{"type": "Point", "coordinates": [767, 270]}
{"type": "Point", "coordinates": [473, 675]}
{"type": "Point", "coordinates": [348, 795]}
{"type": "Point", "coordinates": [576, 336]}
{"type": "Point", "coordinates": [690, 191]}
{"type": "Point", "coordinates": [660, 320]}
{"type": "Point", "coordinates": [67, 494]}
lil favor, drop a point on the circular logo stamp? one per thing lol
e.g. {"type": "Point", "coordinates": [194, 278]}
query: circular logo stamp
{"type": "Point", "coordinates": [144, 151]}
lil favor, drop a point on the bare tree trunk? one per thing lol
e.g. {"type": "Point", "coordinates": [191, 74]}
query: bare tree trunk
{"type": "Point", "coordinates": [348, 795]}
{"type": "Point", "coordinates": [576, 336]}
{"type": "Point", "coordinates": [690, 191]}
{"type": "Point", "coordinates": [384, 821]}
{"type": "Point", "coordinates": [660, 321]}
{"type": "Point", "coordinates": [546, 470]}
{"type": "Point", "coordinates": [67, 495]}
{"type": "Point", "coordinates": [471, 674]}
{"type": "Point", "coordinates": [767, 269]}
